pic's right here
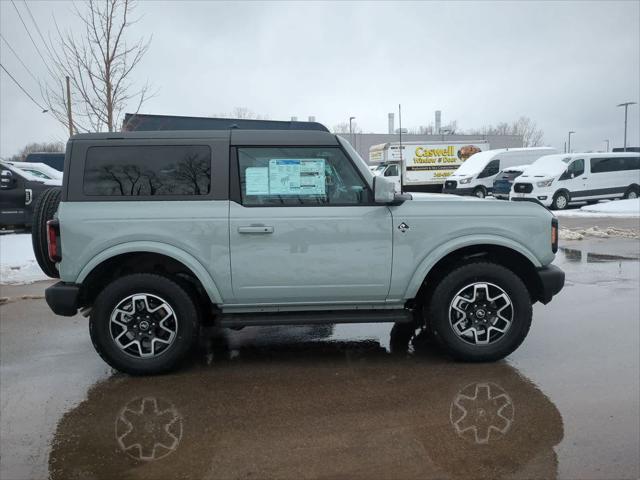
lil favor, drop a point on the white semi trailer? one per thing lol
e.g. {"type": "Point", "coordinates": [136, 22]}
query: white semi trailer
{"type": "Point", "coordinates": [423, 166]}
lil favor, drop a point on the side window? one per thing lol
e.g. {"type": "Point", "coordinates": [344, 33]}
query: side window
{"type": "Point", "coordinates": [603, 165]}
{"type": "Point", "coordinates": [287, 176]}
{"type": "Point", "coordinates": [492, 168]}
{"type": "Point", "coordinates": [632, 163]}
{"type": "Point", "coordinates": [148, 170]}
{"type": "Point", "coordinates": [392, 171]}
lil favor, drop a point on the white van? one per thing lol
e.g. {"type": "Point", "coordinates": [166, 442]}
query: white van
{"type": "Point", "coordinates": [476, 175]}
{"type": "Point", "coordinates": [557, 180]}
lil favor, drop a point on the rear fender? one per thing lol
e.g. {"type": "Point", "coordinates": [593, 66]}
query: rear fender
{"type": "Point", "coordinates": [161, 248]}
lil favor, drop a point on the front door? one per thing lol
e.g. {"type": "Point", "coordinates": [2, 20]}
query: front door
{"type": "Point", "coordinates": [574, 179]}
{"type": "Point", "coordinates": [12, 198]}
{"type": "Point", "coordinates": [306, 230]}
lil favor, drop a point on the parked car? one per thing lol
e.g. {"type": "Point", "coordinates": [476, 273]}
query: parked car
{"type": "Point", "coordinates": [19, 188]}
{"type": "Point", "coordinates": [504, 180]}
{"type": "Point", "coordinates": [557, 181]}
{"type": "Point", "coordinates": [54, 160]}
{"type": "Point", "coordinates": [39, 170]}
{"type": "Point", "coordinates": [157, 233]}
{"type": "Point", "coordinates": [476, 175]}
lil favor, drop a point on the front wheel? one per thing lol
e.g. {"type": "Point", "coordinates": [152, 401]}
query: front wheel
{"type": "Point", "coordinates": [480, 192]}
{"type": "Point", "coordinates": [143, 324]}
{"type": "Point", "coordinates": [480, 312]}
{"type": "Point", "coordinates": [560, 201]}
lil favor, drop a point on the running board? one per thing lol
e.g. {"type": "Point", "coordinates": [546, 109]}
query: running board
{"type": "Point", "coordinates": [314, 318]}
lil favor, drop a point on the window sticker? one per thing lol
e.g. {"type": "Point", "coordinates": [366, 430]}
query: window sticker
{"type": "Point", "coordinates": [297, 176]}
{"type": "Point", "coordinates": [257, 179]}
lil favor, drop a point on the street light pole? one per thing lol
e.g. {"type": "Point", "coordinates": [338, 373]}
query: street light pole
{"type": "Point", "coordinates": [351, 119]}
{"type": "Point", "coordinates": [626, 107]}
{"type": "Point", "coordinates": [569, 144]}
{"type": "Point", "coordinates": [607, 140]}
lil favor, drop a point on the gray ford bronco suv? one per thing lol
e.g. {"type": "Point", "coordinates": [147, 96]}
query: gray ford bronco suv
{"type": "Point", "coordinates": [154, 234]}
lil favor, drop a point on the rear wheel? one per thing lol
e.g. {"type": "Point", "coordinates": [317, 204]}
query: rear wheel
{"type": "Point", "coordinates": [560, 201]}
{"type": "Point", "coordinates": [143, 324]}
{"type": "Point", "coordinates": [632, 192]}
{"type": "Point", "coordinates": [480, 312]}
{"type": "Point", "coordinates": [43, 210]}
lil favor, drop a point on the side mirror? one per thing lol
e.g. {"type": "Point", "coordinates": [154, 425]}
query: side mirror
{"type": "Point", "coordinates": [7, 182]}
{"type": "Point", "coordinates": [384, 192]}
{"type": "Point", "coordinates": [573, 175]}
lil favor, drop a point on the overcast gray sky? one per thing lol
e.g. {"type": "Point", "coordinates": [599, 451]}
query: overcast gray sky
{"type": "Point", "coordinates": [564, 64]}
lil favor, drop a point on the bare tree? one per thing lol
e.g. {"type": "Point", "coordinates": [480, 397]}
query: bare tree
{"type": "Point", "coordinates": [242, 113]}
{"type": "Point", "coordinates": [99, 62]}
{"type": "Point", "coordinates": [37, 147]}
{"type": "Point", "coordinates": [532, 136]}
{"type": "Point", "coordinates": [343, 127]}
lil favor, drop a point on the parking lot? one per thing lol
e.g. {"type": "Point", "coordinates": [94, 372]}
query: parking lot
{"type": "Point", "coordinates": [356, 401]}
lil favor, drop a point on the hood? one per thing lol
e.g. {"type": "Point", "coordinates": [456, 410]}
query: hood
{"type": "Point", "coordinates": [427, 197]}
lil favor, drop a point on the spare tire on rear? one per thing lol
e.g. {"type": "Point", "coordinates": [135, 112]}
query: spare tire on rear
{"type": "Point", "coordinates": [43, 210]}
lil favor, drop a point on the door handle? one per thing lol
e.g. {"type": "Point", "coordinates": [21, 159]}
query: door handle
{"type": "Point", "coordinates": [255, 229]}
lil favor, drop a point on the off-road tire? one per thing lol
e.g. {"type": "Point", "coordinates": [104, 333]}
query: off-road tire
{"type": "Point", "coordinates": [453, 283]}
{"type": "Point", "coordinates": [43, 210]}
{"type": "Point", "coordinates": [179, 299]}
{"type": "Point", "coordinates": [560, 206]}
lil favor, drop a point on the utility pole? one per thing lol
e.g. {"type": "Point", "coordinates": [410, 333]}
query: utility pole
{"type": "Point", "coordinates": [401, 160]}
{"type": "Point", "coordinates": [626, 107]}
{"type": "Point", "coordinates": [569, 144]}
{"type": "Point", "coordinates": [69, 115]}
{"type": "Point", "coordinates": [351, 119]}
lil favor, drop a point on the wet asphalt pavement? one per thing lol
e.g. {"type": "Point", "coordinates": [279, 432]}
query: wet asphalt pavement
{"type": "Point", "coordinates": [343, 401]}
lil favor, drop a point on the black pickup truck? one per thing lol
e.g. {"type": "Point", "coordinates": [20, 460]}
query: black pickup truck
{"type": "Point", "coordinates": [19, 190]}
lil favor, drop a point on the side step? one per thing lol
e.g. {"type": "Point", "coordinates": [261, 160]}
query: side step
{"type": "Point", "coordinates": [314, 318]}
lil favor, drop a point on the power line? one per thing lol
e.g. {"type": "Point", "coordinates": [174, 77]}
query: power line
{"type": "Point", "coordinates": [19, 59]}
{"type": "Point", "coordinates": [30, 37]}
{"type": "Point", "coordinates": [44, 110]}
{"type": "Point", "coordinates": [33, 19]}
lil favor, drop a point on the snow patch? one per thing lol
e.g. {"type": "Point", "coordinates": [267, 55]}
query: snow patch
{"type": "Point", "coordinates": [630, 206]}
{"type": "Point", "coordinates": [17, 261]}
{"type": "Point", "coordinates": [616, 208]}
{"type": "Point", "coordinates": [597, 232]}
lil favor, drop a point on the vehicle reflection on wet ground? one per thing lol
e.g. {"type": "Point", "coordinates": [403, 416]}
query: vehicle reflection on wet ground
{"type": "Point", "coordinates": [348, 401]}
{"type": "Point", "coordinates": [315, 408]}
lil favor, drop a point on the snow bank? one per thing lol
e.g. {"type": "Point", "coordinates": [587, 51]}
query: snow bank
{"type": "Point", "coordinates": [631, 206]}
{"type": "Point", "coordinates": [614, 208]}
{"type": "Point", "coordinates": [17, 262]}
{"type": "Point", "coordinates": [610, 232]}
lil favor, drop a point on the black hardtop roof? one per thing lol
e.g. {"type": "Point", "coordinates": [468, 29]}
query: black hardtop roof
{"type": "Point", "coordinates": [236, 137]}
{"type": "Point", "coordinates": [148, 122]}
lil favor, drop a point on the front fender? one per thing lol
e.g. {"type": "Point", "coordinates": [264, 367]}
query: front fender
{"type": "Point", "coordinates": [163, 249]}
{"type": "Point", "coordinates": [443, 250]}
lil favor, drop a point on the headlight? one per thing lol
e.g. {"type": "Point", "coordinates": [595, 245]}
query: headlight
{"type": "Point", "coordinates": [545, 183]}
{"type": "Point", "coordinates": [465, 180]}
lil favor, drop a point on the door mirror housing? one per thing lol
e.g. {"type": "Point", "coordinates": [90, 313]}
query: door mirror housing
{"type": "Point", "coordinates": [7, 180]}
{"type": "Point", "coordinates": [384, 192]}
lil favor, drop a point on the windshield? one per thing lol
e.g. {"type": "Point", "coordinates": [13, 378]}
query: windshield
{"type": "Point", "coordinates": [549, 166]}
{"type": "Point", "coordinates": [473, 166]}
{"type": "Point", "coordinates": [359, 163]}
{"type": "Point", "coordinates": [35, 173]}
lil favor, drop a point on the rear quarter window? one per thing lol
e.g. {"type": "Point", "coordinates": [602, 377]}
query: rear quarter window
{"type": "Point", "coordinates": [147, 171]}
